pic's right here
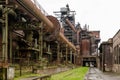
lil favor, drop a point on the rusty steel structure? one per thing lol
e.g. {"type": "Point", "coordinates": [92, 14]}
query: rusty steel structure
{"type": "Point", "coordinates": [86, 41]}
{"type": "Point", "coordinates": [110, 54]}
{"type": "Point", "coordinates": [31, 37]}
{"type": "Point", "coordinates": [71, 25]}
{"type": "Point", "coordinates": [106, 55]}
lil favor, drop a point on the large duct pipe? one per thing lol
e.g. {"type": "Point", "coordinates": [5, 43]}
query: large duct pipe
{"type": "Point", "coordinates": [78, 36]}
{"type": "Point", "coordinates": [71, 25]}
{"type": "Point", "coordinates": [33, 8]}
{"type": "Point", "coordinates": [66, 41]}
{"type": "Point", "coordinates": [28, 4]}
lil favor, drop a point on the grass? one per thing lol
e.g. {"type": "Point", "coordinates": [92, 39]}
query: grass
{"type": "Point", "coordinates": [75, 74]}
{"type": "Point", "coordinates": [25, 73]}
{"type": "Point", "coordinates": [26, 76]}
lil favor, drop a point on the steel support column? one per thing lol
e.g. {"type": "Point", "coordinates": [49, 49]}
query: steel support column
{"type": "Point", "coordinates": [5, 33]}
{"type": "Point", "coordinates": [66, 56]}
{"type": "Point", "coordinates": [3, 68]}
{"type": "Point", "coordinates": [61, 55]}
{"type": "Point", "coordinates": [41, 41]}
{"type": "Point", "coordinates": [58, 54]}
{"type": "Point", "coordinates": [71, 56]}
{"type": "Point", "coordinates": [10, 46]}
{"type": "Point", "coordinates": [75, 57]}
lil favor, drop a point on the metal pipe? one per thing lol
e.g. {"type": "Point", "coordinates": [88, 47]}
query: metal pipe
{"type": "Point", "coordinates": [5, 34]}
{"type": "Point", "coordinates": [40, 42]}
{"type": "Point", "coordinates": [58, 53]}
{"type": "Point", "coordinates": [71, 56]}
{"type": "Point", "coordinates": [71, 25]}
{"type": "Point", "coordinates": [66, 55]}
{"type": "Point", "coordinates": [11, 46]}
{"type": "Point", "coordinates": [33, 8]}
{"type": "Point", "coordinates": [78, 36]}
{"type": "Point", "coordinates": [66, 41]}
{"type": "Point", "coordinates": [29, 5]}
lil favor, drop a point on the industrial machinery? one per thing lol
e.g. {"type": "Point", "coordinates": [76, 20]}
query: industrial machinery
{"type": "Point", "coordinates": [28, 36]}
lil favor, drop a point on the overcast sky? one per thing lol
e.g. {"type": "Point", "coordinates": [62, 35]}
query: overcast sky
{"type": "Point", "coordinates": [103, 15]}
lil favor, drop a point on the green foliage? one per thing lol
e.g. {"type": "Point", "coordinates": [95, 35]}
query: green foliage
{"type": "Point", "coordinates": [75, 74]}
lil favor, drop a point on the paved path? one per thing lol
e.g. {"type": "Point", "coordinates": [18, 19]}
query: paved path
{"type": "Point", "coordinates": [96, 74]}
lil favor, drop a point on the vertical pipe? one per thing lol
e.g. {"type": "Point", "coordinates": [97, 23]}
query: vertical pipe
{"type": "Point", "coordinates": [61, 55]}
{"type": "Point", "coordinates": [44, 44]}
{"type": "Point", "coordinates": [48, 48]}
{"type": "Point", "coordinates": [11, 46]}
{"type": "Point", "coordinates": [58, 52]}
{"type": "Point", "coordinates": [66, 53]}
{"type": "Point", "coordinates": [118, 53]}
{"type": "Point", "coordinates": [103, 58]}
{"type": "Point", "coordinates": [78, 37]}
{"type": "Point", "coordinates": [40, 41]}
{"type": "Point", "coordinates": [74, 57]}
{"type": "Point", "coordinates": [3, 41]}
{"type": "Point", "coordinates": [6, 36]}
{"type": "Point", "coordinates": [5, 33]}
{"type": "Point", "coordinates": [119, 56]}
{"type": "Point", "coordinates": [39, 45]}
{"type": "Point", "coordinates": [71, 56]}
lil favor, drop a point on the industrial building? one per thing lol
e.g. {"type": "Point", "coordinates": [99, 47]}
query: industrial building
{"type": "Point", "coordinates": [110, 54]}
{"type": "Point", "coordinates": [116, 52]}
{"type": "Point", "coordinates": [31, 37]}
{"type": "Point", "coordinates": [106, 55]}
